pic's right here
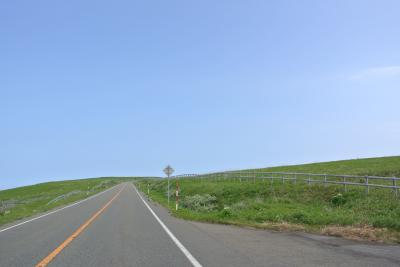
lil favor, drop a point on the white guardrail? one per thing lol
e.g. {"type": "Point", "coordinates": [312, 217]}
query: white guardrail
{"type": "Point", "coordinates": [295, 177]}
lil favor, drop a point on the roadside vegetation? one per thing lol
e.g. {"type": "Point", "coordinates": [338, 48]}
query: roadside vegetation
{"type": "Point", "coordinates": [292, 206]}
{"type": "Point", "coordinates": [22, 202]}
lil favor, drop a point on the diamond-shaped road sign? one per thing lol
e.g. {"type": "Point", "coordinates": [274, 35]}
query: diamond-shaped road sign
{"type": "Point", "coordinates": [168, 170]}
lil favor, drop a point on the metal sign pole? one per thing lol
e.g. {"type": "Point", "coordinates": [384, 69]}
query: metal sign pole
{"type": "Point", "coordinates": [168, 171]}
{"type": "Point", "coordinates": [168, 190]}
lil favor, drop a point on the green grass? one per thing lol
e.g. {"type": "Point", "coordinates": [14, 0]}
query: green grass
{"type": "Point", "coordinates": [22, 202]}
{"type": "Point", "coordinates": [261, 203]}
{"type": "Point", "coordinates": [384, 166]}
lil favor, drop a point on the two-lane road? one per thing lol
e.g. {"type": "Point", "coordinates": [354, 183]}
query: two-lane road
{"type": "Point", "coordinates": [117, 228]}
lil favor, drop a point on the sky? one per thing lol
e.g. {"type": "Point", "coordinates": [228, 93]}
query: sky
{"type": "Point", "coordinates": [123, 88]}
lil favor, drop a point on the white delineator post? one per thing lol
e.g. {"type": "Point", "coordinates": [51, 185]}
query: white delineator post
{"type": "Point", "coordinates": [177, 195]}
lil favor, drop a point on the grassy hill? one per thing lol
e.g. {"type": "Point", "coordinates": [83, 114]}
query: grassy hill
{"type": "Point", "coordinates": [293, 206]}
{"type": "Point", "coordinates": [384, 166]}
{"type": "Point", "coordinates": [22, 202]}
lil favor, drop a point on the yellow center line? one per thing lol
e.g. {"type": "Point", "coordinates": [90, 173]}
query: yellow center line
{"type": "Point", "coordinates": [64, 244]}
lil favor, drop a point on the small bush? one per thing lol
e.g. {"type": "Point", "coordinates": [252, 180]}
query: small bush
{"type": "Point", "coordinates": [200, 202]}
{"type": "Point", "coordinates": [226, 212]}
{"type": "Point", "coordinates": [338, 200]}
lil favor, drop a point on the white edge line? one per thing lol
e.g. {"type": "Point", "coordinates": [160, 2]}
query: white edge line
{"type": "Point", "coordinates": [186, 252]}
{"type": "Point", "coordinates": [55, 211]}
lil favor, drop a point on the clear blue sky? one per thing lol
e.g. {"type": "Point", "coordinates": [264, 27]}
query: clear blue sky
{"type": "Point", "coordinates": [96, 88]}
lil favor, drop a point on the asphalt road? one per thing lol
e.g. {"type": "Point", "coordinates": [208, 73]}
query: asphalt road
{"type": "Point", "coordinates": [124, 232]}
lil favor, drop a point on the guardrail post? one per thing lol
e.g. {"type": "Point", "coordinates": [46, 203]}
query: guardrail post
{"type": "Point", "coordinates": [295, 178]}
{"type": "Point", "coordinates": [325, 180]}
{"type": "Point", "coordinates": [309, 180]}
{"type": "Point", "coordinates": [367, 185]}
{"type": "Point", "coordinates": [395, 191]}
{"type": "Point", "coordinates": [344, 184]}
{"type": "Point", "coordinates": [283, 181]}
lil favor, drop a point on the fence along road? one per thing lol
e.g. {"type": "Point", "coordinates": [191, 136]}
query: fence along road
{"type": "Point", "coordinates": [310, 178]}
{"type": "Point", "coordinates": [126, 233]}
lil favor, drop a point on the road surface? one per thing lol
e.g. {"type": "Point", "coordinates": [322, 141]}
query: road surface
{"type": "Point", "coordinates": [117, 228]}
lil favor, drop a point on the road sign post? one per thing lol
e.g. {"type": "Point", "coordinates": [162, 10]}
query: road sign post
{"type": "Point", "coordinates": [168, 171]}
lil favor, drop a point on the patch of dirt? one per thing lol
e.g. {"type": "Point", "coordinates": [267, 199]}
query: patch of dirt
{"type": "Point", "coordinates": [356, 232]}
{"type": "Point", "coordinates": [363, 232]}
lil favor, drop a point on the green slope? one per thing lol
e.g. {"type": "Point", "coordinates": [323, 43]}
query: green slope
{"type": "Point", "coordinates": [22, 202]}
{"type": "Point", "coordinates": [384, 166]}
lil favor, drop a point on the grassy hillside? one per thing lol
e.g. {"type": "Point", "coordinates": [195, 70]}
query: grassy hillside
{"type": "Point", "coordinates": [277, 205]}
{"type": "Point", "coordinates": [384, 166]}
{"type": "Point", "coordinates": [26, 201]}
